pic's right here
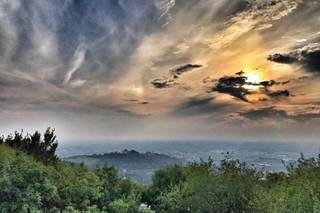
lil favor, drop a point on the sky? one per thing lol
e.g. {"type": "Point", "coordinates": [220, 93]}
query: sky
{"type": "Point", "coordinates": [240, 70]}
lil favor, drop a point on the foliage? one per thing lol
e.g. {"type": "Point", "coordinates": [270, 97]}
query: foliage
{"type": "Point", "coordinates": [28, 184]}
{"type": "Point", "coordinates": [41, 148]}
{"type": "Point", "coordinates": [296, 191]}
{"type": "Point", "coordinates": [36, 181]}
{"type": "Point", "coordinates": [163, 180]}
{"type": "Point", "coordinates": [235, 187]}
{"type": "Point", "coordinates": [207, 188]}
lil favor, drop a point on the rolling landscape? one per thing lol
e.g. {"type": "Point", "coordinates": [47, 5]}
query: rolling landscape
{"type": "Point", "coordinates": [159, 106]}
{"type": "Point", "coordinates": [34, 179]}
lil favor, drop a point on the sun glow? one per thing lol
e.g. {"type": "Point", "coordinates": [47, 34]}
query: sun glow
{"type": "Point", "coordinates": [254, 77]}
{"type": "Point", "coordinates": [138, 90]}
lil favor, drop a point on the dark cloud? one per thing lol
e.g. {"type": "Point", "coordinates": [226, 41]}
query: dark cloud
{"type": "Point", "coordinates": [163, 82]}
{"type": "Point", "coordinates": [264, 113]}
{"type": "Point", "coordinates": [307, 117]}
{"type": "Point", "coordinates": [268, 83]}
{"type": "Point", "coordinates": [271, 113]}
{"type": "Point", "coordinates": [282, 58]}
{"type": "Point", "coordinates": [166, 82]}
{"type": "Point", "coordinates": [271, 83]}
{"type": "Point", "coordinates": [240, 73]}
{"type": "Point", "coordinates": [279, 93]}
{"type": "Point", "coordinates": [198, 106]}
{"type": "Point", "coordinates": [235, 86]}
{"type": "Point", "coordinates": [137, 101]}
{"type": "Point", "coordinates": [308, 56]}
{"type": "Point", "coordinates": [184, 68]}
{"type": "Point", "coordinates": [232, 86]}
{"type": "Point", "coordinates": [195, 102]}
{"type": "Point", "coordinates": [274, 94]}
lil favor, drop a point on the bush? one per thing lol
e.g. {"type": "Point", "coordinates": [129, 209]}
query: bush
{"type": "Point", "coordinates": [207, 188]}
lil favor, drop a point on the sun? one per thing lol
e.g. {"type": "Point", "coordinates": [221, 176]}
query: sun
{"type": "Point", "coordinates": [254, 77]}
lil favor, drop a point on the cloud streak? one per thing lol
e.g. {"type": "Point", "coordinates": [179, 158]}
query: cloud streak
{"type": "Point", "coordinates": [76, 63]}
{"type": "Point", "coordinates": [271, 113]}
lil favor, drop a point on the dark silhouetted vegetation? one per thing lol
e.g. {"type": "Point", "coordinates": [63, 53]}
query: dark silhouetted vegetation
{"type": "Point", "coordinates": [42, 148]}
{"type": "Point", "coordinates": [30, 182]}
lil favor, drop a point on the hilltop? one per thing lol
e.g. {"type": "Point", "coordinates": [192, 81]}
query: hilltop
{"type": "Point", "coordinates": [136, 165]}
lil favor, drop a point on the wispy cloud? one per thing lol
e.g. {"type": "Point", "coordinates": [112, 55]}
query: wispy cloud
{"type": "Point", "coordinates": [84, 58]}
{"type": "Point", "coordinates": [78, 58]}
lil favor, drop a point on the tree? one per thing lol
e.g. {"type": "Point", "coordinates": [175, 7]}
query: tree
{"type": "Point", "coordinates": [162, 181]}
{"type": "Point", "coordinates": [43, 149]}
{"type": "Point", "coordinates": [31, 185]}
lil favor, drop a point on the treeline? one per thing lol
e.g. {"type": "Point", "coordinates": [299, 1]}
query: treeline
{"type": "Point", "coordinates": [42, 148]}
{"type": "Point", "coordinates": [235, 187]}
{"type": "Point", "coordinates": [31, 184]}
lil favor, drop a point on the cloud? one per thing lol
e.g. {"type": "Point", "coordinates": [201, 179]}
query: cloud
{"type": "Point", "coordinates": [77, 83]}
{"type": "Point", "coordinates": [276, 94]}
{"type": "Point", "coordinates": [272, 83]}
{"type": "Point", "coordinates": [308, 56]}
{"type": "Point", "coordinates": [197, 106]}
{"type": "Point", "coordinates": [166, 82]}
{"type": "Point", "coordinates": [93, 56]}
{"type": "Point", "coordinates": [43, 37]}
{"type": "Point", "coordinates": [163, 82]}
{"type": "Point", "coordinates": [282, 58]}
{"type": "Point", "coordinates": [184, 68]}
{"type": "Point", "coordinates": [62, 45]}
{"type": "Point", "coordinates": [264, 113]}
{"type": "Point", "coordinates": [238, 86]}
{"type": "Point", "coordinates": [279, 93]}
{"type": "Point", "coordinates": [78, 59]}
{"type": "Point", "coordinates": [165, 6]}
{"type": "Point", "coordinates": [258, 15]}
{"type": "Point", "coordinates": [233, 86]}
{"type": "Point", "coordinates": [271, 113]}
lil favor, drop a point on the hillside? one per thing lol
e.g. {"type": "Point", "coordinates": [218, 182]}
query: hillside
{"type": "Point", "coordinates": [138, 166]}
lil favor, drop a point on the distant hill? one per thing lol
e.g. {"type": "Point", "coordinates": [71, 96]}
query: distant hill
{"type": "Point", "coordinates": [136, 165]}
